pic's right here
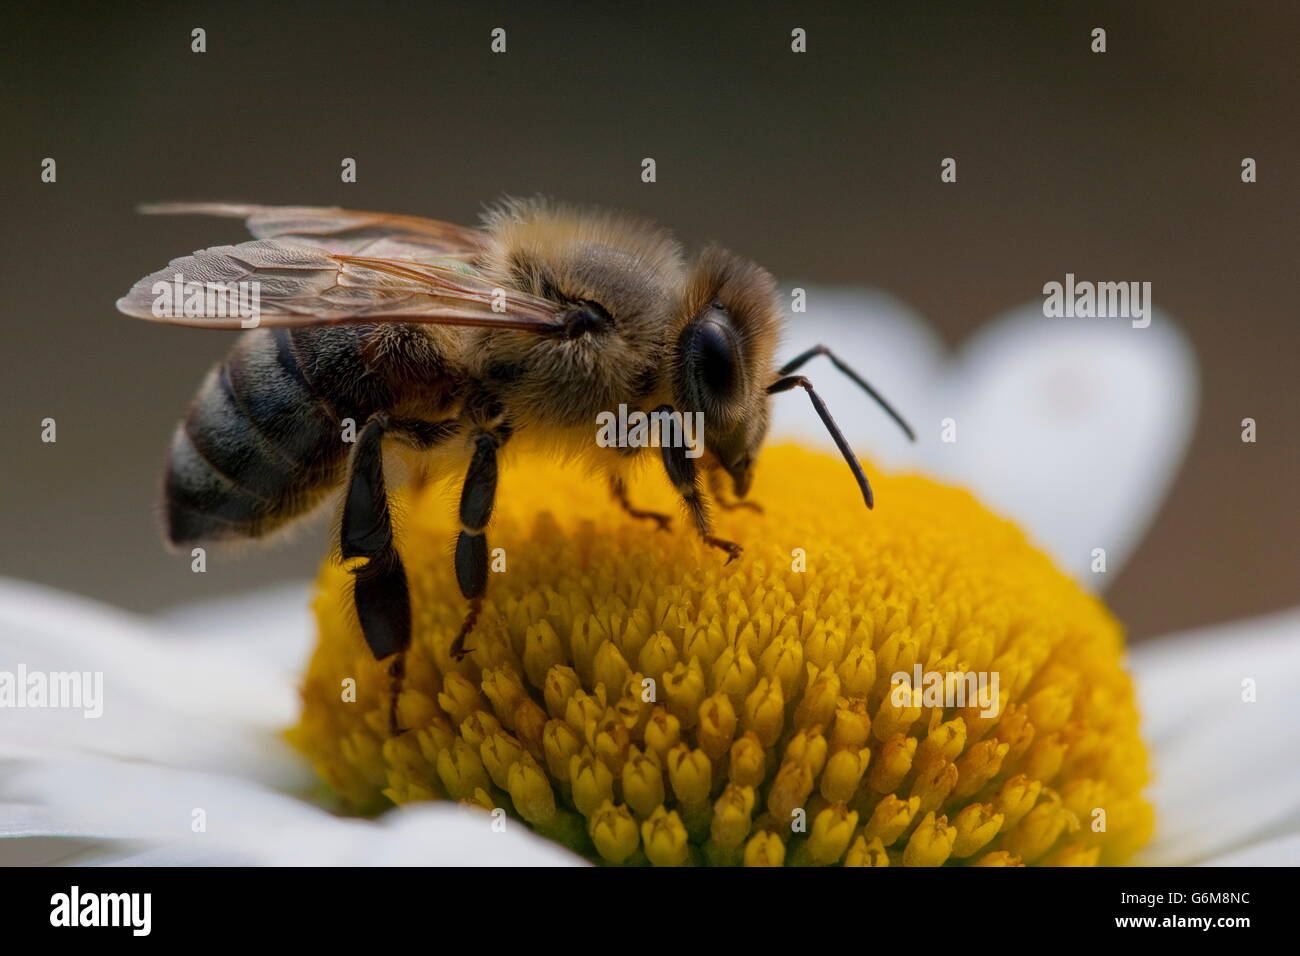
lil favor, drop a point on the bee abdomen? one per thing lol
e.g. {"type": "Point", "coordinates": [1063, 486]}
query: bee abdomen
{"type": "Point", "coordinates": [257, 447]}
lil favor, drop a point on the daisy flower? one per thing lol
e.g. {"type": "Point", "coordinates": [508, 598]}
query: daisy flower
{"type": "Point", "coordinates": [632, 700]}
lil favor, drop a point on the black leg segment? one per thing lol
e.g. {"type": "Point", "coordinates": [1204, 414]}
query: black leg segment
{"type": "Point", "coordinates": [476, 500]}
{"type": "Point", "coordinates": [682, 473]}
{"type": "Point", "coordinates": [618, 488]}
{"type": "Point", "coordinates": [380, 591]}
{"type": "Point", "coordinates": [719, 493]}
{"type": "Point", "coordinates": [382, 599]}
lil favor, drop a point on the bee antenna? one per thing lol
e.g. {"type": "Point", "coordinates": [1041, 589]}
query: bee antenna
{"type": "Point", "coordinates": [816, 350]}
{"type": "Point", "coordinates": [798, 381]}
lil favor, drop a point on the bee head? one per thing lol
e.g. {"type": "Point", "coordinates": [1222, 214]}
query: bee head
{"type": "Point", "coordinates": [722, 356]}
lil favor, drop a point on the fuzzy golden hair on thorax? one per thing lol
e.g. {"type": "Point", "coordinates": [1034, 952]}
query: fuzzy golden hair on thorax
{"type": "Point", "coordinates": [566, 252]}
{"type": "Point", "coordinates": [625, 268]}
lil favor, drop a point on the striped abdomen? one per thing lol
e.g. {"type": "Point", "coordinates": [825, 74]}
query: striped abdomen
{"type": "Point", "coordinates": [263, 439]}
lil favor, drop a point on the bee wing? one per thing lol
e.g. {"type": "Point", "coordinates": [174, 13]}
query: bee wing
{"type": "Point", "coordinates": [285, 283]}
{"type": "Point", "coordinates": [343, 231]}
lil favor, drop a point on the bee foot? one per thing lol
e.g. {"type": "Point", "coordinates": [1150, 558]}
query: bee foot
{"type": "Point", "coordinates": [733, 550]}
{"type": "Point", "coordinates": [397, 673]}
{"type": "Point", "coordinates": [662, 522]}
{"type": "Point", "coordinates": [458, 649]}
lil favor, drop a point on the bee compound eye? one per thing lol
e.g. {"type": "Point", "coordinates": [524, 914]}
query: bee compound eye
{"type": "Point", "coordinates": [710, 372]}
{"type": "Point", "coordinates": [714, 357]}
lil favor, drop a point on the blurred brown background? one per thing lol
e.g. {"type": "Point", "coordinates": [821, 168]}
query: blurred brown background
{"type": "Point", "coordinates": [822, 166]}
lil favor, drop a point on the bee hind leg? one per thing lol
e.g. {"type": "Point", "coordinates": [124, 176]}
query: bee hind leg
{"type": "Point", "coordinates": [618, 488]}
{"type": "Point", "coordinates": [682, 473]}
{"type": "Point", "coordinates": [476, 499]}
{"type": "Point", "coordinates": [380, 590]}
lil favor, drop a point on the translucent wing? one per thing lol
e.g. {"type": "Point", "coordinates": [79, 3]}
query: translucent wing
{"type": "Point", "coordinates": [343, 231]}
{"type": "Point", "coordinates": [286, 283]}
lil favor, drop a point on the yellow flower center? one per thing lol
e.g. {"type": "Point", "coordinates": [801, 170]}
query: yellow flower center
{"type": "Point", "coordinates": [912, 686]}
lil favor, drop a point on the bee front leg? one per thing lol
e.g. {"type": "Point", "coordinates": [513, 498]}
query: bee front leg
{"type": "Point", "coordinates": [684, 476]}
{"type": "Point", "coordinates": [476, 500]}
{"type": "Point", "coordinates": [379, 586]}
{"type": "Point", "coordinates": [716, 487]}
{"type": "Point", "coordinates": [618, 488]}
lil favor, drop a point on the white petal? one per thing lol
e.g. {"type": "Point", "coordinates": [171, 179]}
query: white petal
{"type": "Point", "coordinates": [1227, 777]}
{"type": "Point", "coordinates": [1282, 851]}
{"type": "Point", "coordinates": [107, 798]}
{"type": "Point", "coordinates": [446, 834]}
{"type": "Point", "coordinates": [888, 345]}
{"type": "Point", "coordinates": [130, 806]}
{"type": "Point", "coordinates": [160, 856]}
{"type": "Point", "coordinates": [30, 836]}
{"type": "Point", "coordinates": [162, 699]}
{"type": "Point", "coordinates": [1073, 427]}
{"type": "Point", "coordinates": [273, 625]}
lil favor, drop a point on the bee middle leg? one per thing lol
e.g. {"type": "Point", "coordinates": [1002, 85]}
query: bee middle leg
{"type": "Point", "coordinates": [685, 478]}
{"type": "Point", "coordinates": [476, 499]}
{"type": "Point", "coordinates": [618, 488]}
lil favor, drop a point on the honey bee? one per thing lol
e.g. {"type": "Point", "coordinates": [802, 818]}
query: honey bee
{"type": "Point", "coordinates": [447, 344]}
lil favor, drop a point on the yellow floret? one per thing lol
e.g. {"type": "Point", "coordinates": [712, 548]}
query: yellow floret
{"type": "Point", "coordinates": [638, 699]}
